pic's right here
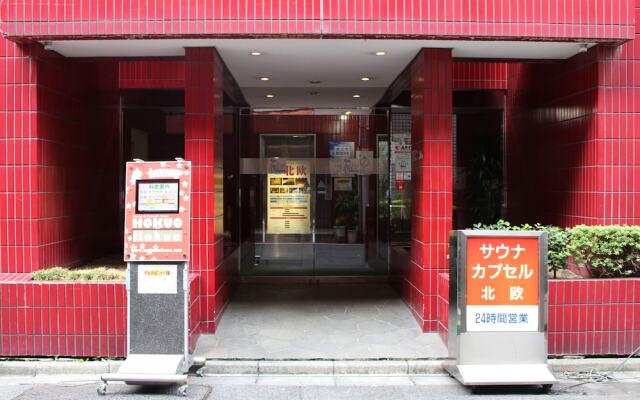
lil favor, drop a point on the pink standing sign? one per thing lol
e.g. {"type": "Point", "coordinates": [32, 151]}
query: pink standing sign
{"type": "Point", "coordinates": [157, 211]}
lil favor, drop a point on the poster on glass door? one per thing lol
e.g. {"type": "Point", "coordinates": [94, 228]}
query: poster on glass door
{"type": "Point", "coordinates": [289, 199]}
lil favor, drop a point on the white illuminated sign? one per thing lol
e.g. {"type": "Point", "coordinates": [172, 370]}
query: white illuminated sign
{"type": "Point", "coordinates": [158, 196]}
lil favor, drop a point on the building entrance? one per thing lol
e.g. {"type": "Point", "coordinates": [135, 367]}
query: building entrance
{"type": "Point", "coordinates": [310, 195]}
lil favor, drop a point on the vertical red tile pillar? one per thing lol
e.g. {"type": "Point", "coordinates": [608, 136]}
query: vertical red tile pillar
{"type": "Point", "coordinates": [203, 147]}
{"type": "Point", "coordinates": [431, 136]}
{"type": "Point", "coordinates": [19, 169]}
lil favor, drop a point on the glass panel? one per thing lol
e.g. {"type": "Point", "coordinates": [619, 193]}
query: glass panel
{"type": "Point", "coordinates": [400, 177]}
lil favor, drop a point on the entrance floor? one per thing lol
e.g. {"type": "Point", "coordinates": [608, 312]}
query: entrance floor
{"type": "Point", "coordinates": [326, 321]}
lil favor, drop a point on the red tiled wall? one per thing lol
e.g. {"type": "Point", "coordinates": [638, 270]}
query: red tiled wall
{"type": "Point", "coordinates": [594, 316]}
{"type": "Point", "coordinates": [62, 319]}
{"type": "Point", "coordinates": [618, 145]}
{"type": "Point", "coordinates": [204, 76]}
{"type": "Point", "coordinates": [72, 319]}
{"type": "Point", "coordinates": [195, 329]}
{"type": "Point", "coordinates": [155, 74]}
{"type": "Point", "coordinates": [573, 139]}
{"type": "Point", "coordinates": [551, 142]}
{"type": "Point", "coordinates": [59, 194]}
{"type": "Point", "coordinates": [479, 75]}
{"type": "Point", "coordinates": [78, 140]}
{"type": "Point", "coordinates": [579, 19]}
{"type": "Point", "coordinates": [431, 137]}
{"type": "Point", "coordinates": [19, 205]}
{"type": "Point", "coordinates": [586, 316]}
{"type": "Point", "coordinates": [443, 306]}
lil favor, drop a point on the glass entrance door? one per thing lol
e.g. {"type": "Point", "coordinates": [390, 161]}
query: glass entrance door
{"type": "Point", "coordinates": [311, 203]}
{"type": "Point", "coordinates": [285, 230]}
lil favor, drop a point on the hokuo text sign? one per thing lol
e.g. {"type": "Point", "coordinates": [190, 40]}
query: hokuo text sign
{"type": "Point", "coordinates": [157, 211]}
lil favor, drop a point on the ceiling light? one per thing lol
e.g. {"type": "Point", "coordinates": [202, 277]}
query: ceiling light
{"type": "Point", "coordinates": [356, 96]}
{"type": "Point", "coordinates": [269, 96]}
{"type": "Point", "coordinates": [380, 53]}
{"type": "Point", "coordinates": [255, 53]}
{"type": "Point", "coordinates": [264, 78]}
{"type": "Point", "coordinates": [365, 78]}
{"type": "Point", "coordinates": [347, 113]}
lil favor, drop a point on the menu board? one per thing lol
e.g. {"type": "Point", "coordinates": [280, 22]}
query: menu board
{"type": "Point", "coordinates": [289, 199]}
{"type": "Point", "coordinates": [157, 196]}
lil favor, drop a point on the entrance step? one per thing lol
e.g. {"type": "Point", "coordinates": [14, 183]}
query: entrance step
{"type": "Point", "coordinates": [324, 367]}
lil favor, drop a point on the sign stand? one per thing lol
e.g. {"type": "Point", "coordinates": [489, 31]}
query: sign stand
{"type": "Point", "coordinates": [156, 248]}
{"type": "Point", "coordinates": [498, 309]}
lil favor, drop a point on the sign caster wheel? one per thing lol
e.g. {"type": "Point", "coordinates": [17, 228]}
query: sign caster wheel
{"type": "Point", "coordinates": [182, 391]}
{"type": "Point", "coordinates": [102, 388]}
{"type": "Point", "coordinates": [546, 388]}
{"type": "Point", "coordinates": [200, 372]}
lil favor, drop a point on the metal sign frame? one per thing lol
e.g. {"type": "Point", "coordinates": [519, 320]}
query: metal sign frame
{"type": "Point", "coordinates": [495, 357]}
{"type": "Point", "coordinates": [158, 315]}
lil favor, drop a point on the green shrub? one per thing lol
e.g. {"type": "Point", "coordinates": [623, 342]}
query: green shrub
{"type": "Point", "coordinates": [89, 274]}
{"type": "Point", "coordinates": [607, 251]}
{"type": "Point", "coordinates": [557, 240]}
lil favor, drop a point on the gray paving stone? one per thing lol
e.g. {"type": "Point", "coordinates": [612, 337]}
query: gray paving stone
{"type": "Point", "coordinates": [314, 367]}
{"type": "Point", "coordinates": [370, 367]}
{"type": "Point", "coordinates": [231, 367]}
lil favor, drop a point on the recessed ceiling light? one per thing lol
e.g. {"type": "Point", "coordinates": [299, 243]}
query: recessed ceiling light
{"type": "Point", "coordinates": [269, 96]}
{"type": "Point", "coordinates": [380, 53]}
{"type": "Point", "coordinates": [255, 53]}
{"type": "Point", "coordinates": [355, 96]}
{"type": "Point", "coordinates": [365, 78]}
{"type": "Point", "coordinates": [264, 78]}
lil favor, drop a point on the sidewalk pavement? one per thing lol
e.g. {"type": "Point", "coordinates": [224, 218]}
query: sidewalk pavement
{"type": "Point", "coordinates": [308, 387]}
{"type": "Point", "coordinates": [300, 367]}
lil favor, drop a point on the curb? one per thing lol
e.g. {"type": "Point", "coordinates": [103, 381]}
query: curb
{"type": "Point", "coordinates": [62, 367]}
{"type": "Point", "coordinates": [302, 367]}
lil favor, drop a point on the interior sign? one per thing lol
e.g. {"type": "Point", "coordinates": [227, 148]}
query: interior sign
{"type": "Point", "coordinates": [502, 284]}
{"type": "Point", "coordinates": [158, 196]}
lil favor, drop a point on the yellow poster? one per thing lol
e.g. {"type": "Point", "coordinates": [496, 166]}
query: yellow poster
{"type": "Point", "coordinates": [289, 199]}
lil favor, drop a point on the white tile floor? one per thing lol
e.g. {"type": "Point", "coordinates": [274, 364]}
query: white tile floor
{"type": "Point", "coordinates": [348, 321]}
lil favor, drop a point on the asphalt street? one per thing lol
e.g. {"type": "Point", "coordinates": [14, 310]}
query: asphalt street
{"type": "Point", "coordinates": [309, 388]}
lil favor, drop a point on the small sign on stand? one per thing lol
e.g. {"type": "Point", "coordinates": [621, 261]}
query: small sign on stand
{"type": "Point", "coordinates": [156, 249]}
{"type": "Point", "coordinates": [498, 308]}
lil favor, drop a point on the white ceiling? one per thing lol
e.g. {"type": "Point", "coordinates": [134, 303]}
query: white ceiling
{"type": "Point", "coordinates": [291, 63]}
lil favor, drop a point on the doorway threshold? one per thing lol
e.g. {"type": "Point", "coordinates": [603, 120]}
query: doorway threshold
{"type": "Point", "coordinates": [333, 321]}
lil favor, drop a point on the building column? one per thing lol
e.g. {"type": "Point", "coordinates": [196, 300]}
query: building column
{"type": "Point", "coordinates": [203, 127]}
{"type": "Point", "coordinates": [431, 181]}
{"type": "Point", "coordinates": [19, 169]}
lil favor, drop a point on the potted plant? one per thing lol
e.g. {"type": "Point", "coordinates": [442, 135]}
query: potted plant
{"type": "Point", "coordinates": [339, 229]}
{"type": "Point", "coordinates": [352, 234]}
{"type": "Point", "coordinates": [346, 208]}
